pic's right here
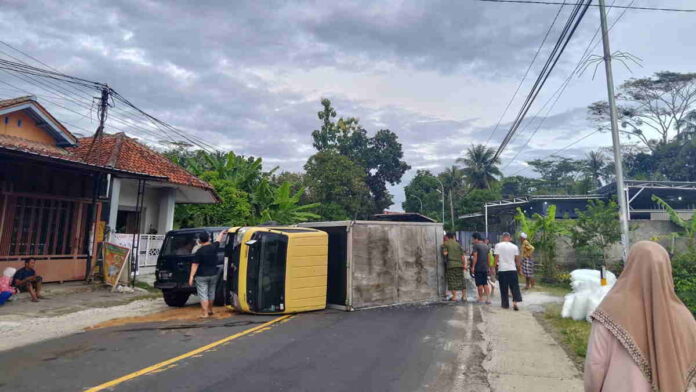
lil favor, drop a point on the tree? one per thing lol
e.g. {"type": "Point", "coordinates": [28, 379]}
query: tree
{"type": "Point", "coordinates": [247, 194]}
{"type": "Point", "coordinates": [326, 136]}
{"type": "Point", "coordinates": [380, 156]}
{"type": "Point", "coordinates": [424, 188]}
{"type": "Point", "coordinates": [676, 160]}
{"type": "Point", "coordinates": [560, 175]}
{"type": "Point", "coordinates": [519, 186]}
{"type": "Point", "coordinates": [546, 231]}
{"type": "Point", "coordinates": [688, 226]}
{"type": "Point", "coordinates": [596, 227]}
{"type": "Point", "coordinates": [285, 208]}
{"type": "Point", "coordinates": [595, 167]}
{"type": "Point", "coordinates": [651, 109]}
{"type": "Point", "coordinates": [480, 166]}
{"type": "Point", "coordinates": [339, 185]}
{"type": "Point", "coordinates": [473, 203]}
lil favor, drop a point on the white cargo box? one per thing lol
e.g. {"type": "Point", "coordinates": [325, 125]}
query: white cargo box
{"type": "Point", "coordinates": [380, 263]}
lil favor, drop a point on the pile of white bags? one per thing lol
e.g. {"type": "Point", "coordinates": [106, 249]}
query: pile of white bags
{"type": "Point", "coordinates": [587, 293]}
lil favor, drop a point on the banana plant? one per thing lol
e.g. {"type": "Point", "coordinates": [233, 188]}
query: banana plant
{"type": "Point", "coordinates": [688, 225]}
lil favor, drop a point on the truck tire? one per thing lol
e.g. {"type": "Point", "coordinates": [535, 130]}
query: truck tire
{"type": "Point", "coordinates": [175, 298]}
{"type": "Point", "coordinates": [219, 292]}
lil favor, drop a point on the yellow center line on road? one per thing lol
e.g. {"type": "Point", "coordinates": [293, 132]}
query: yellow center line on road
{"type": "Point", "coordinates": [189, 354]}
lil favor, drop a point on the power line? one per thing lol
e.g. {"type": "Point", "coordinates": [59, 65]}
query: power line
{"type": "Point", "coordinates": [565, 84]}
{"type": "Point", "coordinates": [609, 6]}
{"type": "Point", "coordinates": [559, 150]}
{"type": "Point", "coordinates": [573, 20]}
{"type": "Point", "coordinates": [27, 73]}
{"type": "Point", "coordinates": [541, 45]}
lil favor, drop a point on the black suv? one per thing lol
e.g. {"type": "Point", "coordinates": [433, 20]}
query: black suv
{"type": "Point", "coordinates": [174, 265]}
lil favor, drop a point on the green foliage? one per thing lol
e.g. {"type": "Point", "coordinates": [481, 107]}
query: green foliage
{"type": "Point", "coordinates": [424, 189]}
{"type": "Point", "coordinates": [480, 167]}
{"type": "Point", "coordinates": [473, 202]}
{"type": "Point", "coordinates": [574, 334]}
{"type": "Point", "coordinates": [247, 193]}
{"type": "Point", "coordinates": [596, 228]}
{"type": "Point", "coordinates": [651, 110]}
{"type": "Point", "coordinates": [339, 184]}
{"type": "Point", "coordinates": [689, 226]}
{"type": "Point", "coordinates": [283, 207]}
{"type": "Point", "coordinates": [380, 156]}
{"type": "Point", "coordinates": [684, 273]}
{"type": "Point", "coordinates": [543, 232]}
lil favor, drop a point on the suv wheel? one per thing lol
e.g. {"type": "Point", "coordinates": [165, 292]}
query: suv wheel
{"type": "Point", "coordinates": [175, 298]}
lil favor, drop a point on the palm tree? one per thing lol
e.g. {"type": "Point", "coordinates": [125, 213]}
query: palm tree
{"type": "Point", "coordinates": [480, 166]}
{"type": "Point", "coordinates": [595, 164]}
{"type": "Point", "coordinates": [452, 178]}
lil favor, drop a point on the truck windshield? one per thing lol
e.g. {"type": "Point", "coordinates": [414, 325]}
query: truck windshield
{"type": "Point", "coordinates": [266, 272]}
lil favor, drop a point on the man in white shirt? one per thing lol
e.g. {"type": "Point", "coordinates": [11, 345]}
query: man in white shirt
{"type": "Point", "coordinates": [507, 259]}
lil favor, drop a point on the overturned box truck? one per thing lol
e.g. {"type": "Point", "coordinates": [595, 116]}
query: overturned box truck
{"type": "Point", "coordinates": [346, 265]}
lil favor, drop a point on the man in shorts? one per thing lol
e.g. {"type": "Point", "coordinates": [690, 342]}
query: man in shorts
{"type": "Point", "coordinates": [26, 280]}
{"type": "Point", "coordinates": [480, 268]}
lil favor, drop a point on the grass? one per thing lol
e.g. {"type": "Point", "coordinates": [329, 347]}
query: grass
{"type": "Point", "coordinates": [146, 286]}
{"type": "Point", "coordinates": [573, 335]}
{"type": "Point", "coordinates": [558, 289]}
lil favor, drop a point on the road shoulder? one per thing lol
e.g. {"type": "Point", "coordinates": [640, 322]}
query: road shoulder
{"type": "Point", "coordinates": [523, 356]}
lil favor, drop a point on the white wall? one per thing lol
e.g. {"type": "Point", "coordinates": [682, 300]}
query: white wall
{"type": "Point", "coordinates": [151, 203]}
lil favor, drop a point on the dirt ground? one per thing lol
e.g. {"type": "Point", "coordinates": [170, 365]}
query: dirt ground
{"type": "Point", "coordinates": [189, 312]}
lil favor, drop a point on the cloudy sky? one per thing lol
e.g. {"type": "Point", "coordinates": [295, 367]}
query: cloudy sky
{"type": "Point", "coordinates": [248, 76]}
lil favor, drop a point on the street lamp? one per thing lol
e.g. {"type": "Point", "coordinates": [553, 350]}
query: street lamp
{"type": "Point", "coordinates": [443, 200]}
{"type": "Point", "coordinates": [421, 203]}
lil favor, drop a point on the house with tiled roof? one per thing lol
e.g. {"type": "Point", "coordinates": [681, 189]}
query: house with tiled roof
{"type": "Point", "coordinates": [61, 195]}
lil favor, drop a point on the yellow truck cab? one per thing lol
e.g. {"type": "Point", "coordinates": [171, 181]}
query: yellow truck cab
{"type": "Point", "coordinates": [276, 270]}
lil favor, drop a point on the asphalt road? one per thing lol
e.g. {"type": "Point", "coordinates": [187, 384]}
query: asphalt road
{"type": "Point", "coordinates": [407, 348]}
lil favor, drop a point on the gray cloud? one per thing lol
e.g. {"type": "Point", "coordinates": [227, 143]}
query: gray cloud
{"type": "Point", "coordinates": [248, 75]}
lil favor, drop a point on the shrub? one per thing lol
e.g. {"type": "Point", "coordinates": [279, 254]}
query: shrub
{"type": "Point", "coordinates": [684, 272]}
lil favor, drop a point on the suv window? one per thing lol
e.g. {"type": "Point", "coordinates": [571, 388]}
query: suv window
{"type": "Point", "coordinates": [182, 244]}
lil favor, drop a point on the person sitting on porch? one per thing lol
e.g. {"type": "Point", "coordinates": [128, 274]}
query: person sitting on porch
{"type": "Point", "coordinates": [6, 288]}
{"type": "Point", "coordinates": [26, 280]}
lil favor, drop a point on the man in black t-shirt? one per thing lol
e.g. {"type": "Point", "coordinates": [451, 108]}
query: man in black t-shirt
{"type": "Point", "coordinates": [479, 268]}
{"type": "Point", "coordinates": [205, 272]}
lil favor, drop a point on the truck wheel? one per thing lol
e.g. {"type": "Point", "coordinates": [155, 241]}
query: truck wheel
{"type": "Point", "coordinates": [175, 298]}
{"type": "Point", "coordinates": [219, 292]}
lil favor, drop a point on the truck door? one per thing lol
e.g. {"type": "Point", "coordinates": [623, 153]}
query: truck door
{"type": "Point", "coordinates": [266, 272]}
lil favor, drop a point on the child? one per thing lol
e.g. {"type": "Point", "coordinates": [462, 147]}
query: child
{"type": "Point", "coordinates": [6, 289]}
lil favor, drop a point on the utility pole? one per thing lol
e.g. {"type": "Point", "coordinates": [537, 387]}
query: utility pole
{"type": "Point", "coordinates": [443, 199]}
{"type": "Point", "coordinates": [102, 111]}
{"type": "Point", "coordinates": [451, 209]}
{"type": "Point", "coordinates": [618, 160]}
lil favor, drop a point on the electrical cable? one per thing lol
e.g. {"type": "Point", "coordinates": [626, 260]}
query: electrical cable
{"type": "Point", "coordinates": [614, 6]}
{"type": "Point", "coordinates": [524, 77]}
{"type": "Point", "coordinates": [561, 44]}
{"type": "Point", "coordinates": [565, 84]}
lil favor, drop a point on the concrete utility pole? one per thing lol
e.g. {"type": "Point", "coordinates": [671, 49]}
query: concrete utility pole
{"type": "Point", "coordinates": [443, 199]}
{"type": "Point", "coordinates": [451, 209]}
{"type": "Point", "coordinates": [618, 160]}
